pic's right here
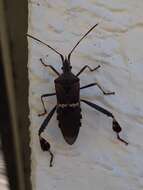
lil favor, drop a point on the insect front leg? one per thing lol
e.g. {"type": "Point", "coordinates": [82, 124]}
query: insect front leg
{"type": "Point", "coordinates": [90, 69]}
{"type": "Point", "coordinates": [51, 67]}
{"type": "Point", "coordinates": [45, 145]}
{"type": "Point", "coordinates": [43, 96]}
{"type": "Point", "coordinates": [116, 127]}
{"type": "Point", "coordinates": [96, 84]}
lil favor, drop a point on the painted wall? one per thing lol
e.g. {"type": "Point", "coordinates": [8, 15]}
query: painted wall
{"type": "Point", "coordinates": [97, 159]}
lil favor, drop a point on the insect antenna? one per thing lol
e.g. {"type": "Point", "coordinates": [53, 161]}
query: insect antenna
{"type": "Point", "coordinates": [81, 40]}
{"type": "Point", "coordinates": [62, 57]}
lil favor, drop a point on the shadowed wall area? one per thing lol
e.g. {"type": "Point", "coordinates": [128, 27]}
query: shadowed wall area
{"type": "Point", "coordinates": [14, 92]}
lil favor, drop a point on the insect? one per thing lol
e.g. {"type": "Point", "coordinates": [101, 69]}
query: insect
{"type": "Point", "coordinates": [67, 87]}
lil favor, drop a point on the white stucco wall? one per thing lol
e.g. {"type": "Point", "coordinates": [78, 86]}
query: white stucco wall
{"type": "Point", "coordinates": [97, 160]}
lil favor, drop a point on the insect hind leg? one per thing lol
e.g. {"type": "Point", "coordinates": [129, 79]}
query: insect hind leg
{"type": "Point", "coordinates": [115, 126]}
{"type": "Point", "coordinates": [45, 145]}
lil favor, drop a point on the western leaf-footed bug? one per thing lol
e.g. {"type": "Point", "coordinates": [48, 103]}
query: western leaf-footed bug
{"type": "Point", "coordinates": [67, 87]}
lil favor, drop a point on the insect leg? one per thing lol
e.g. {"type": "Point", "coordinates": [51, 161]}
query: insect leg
{"type": "Point", "coordinates": [96, 84]}
{"type": "Point", "coordinates": [43, 96]}
{"type": "Point", "coordinates": [116, 127]}
{"type": "Point", "coordinates": [51, 67]}
{"type": "Point", "coordinates": [86, 66]}
{"type": "Point", "coordinates": [45, 145]}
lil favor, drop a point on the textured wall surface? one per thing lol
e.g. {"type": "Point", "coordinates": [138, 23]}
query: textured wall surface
{"type": "Point", "coordinates": [97, 159]}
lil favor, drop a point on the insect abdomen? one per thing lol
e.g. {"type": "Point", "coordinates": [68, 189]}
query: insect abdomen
{"type": "Point", "coordinates": [69, 122]}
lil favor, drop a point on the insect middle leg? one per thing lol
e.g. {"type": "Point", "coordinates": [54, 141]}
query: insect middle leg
{"type": "Point", "coordinates": [115, 125]}
{"type": "Point", "coordinates": [96, 84]}
{"type": "Point", "coordinates": [86, 66]}
{"type": "Point", "coordinates": [43, 96]}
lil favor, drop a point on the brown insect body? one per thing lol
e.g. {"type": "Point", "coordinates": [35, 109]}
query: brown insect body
{"type": "Point", "coordinates": [68, 103]}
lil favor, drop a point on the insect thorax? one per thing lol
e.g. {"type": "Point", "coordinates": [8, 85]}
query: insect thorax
{"type": "Point", "coordinates": [67, 90]}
